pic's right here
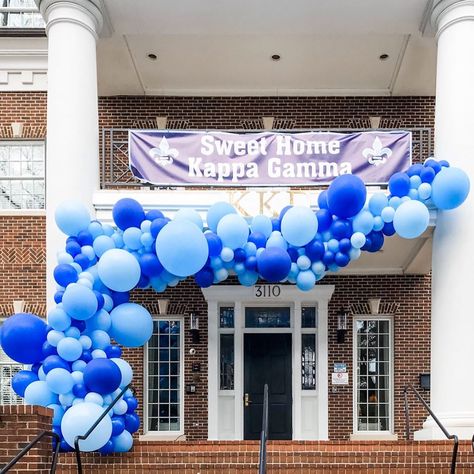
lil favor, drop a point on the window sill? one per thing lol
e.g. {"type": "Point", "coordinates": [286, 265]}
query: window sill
{"type": "Point", "coordinates": [22, 212]}
{"type": "Point", "coordinates": [373, 437]}
{"type": "Point", "coordinates": [162, 437]}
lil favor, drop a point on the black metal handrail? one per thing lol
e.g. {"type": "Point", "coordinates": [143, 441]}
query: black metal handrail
{"type": "Point", "coordinates": [30, 445]}
{"type": "Point", "coordinates": [93, 427]}
{"type": "Point", "coordinates": [435, 418]}
{"type": "Point", "coordinates": [262, 459]}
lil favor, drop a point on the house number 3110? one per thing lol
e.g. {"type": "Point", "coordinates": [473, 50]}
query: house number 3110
{"type": "Point", "coordinates": [267, 291]}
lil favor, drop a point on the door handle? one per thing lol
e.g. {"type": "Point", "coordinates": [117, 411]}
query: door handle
{"type": "Point", "coordinates": [247, 400]}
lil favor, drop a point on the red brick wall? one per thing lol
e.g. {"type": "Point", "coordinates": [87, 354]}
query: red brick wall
{"type": "Point", "coordinates": [23, 274]}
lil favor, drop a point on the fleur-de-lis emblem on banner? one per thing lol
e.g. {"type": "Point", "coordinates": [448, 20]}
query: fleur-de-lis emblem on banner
{"type": "Point", "coordinates": [378, 154]}
{"type": "Point", "coordinates": [163, 154]}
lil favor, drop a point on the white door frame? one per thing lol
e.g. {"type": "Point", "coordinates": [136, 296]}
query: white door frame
{"type": "Point", "coordinates": [231, 400]}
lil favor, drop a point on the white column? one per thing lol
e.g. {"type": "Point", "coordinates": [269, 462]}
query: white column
{"type": "Point", "coordinates": [452, 325]}
{"type": "Point", "coordinates": [72, 151]}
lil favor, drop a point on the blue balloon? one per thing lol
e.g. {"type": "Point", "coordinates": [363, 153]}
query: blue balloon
{"type": "Point", "coordinates": [58, 414]}
{"type": "Point", "coordinates": [276, 223]}
{"type": "Point", "coordinates": [324, 220]}
{"type": "Point", "coordinates": [251, 263]}
{"type": "Point", "coordinates": [119, 270]}
{"type": "Point", "coordinates": [78, 419]}
{"type": "Point", "coordinates": [102, 243]}
{"type": "Point", "coordinates": [79, 302]}
{"type": "Point", "coordinates": [204, 277]}
{"type": "Point", "coordinates": [216, 212]}
{"type": "Point", "coordinates": [258, 239]}
{"type": "Point", "coordinates": [157, 225]}
{"type": "Point", "coordinates": [21, 380]}
{"type": "Point", "coordinates": [118, 425]}
{"type": "Point", "coordinates": [233, 230]}
{"type": "Point", "coordinates": [150, 265]}
{"type": "Point", "coordinates": [432, 163]}
{"type": "Point", "coordinates": [84, 237]}
{"type": "Point", "coordinates": [132, 324]}
{"type": "Point", "coordinates": [59, 381]}
{"type": "Point", "coordinates": [132, 422]}
{"type": "Point", "coordinates": [69, 349]}
{"type": "Point", "coordinates": [100, 339]}
{"type": "Point", "coordinates": [58, 296]}
{"type": "Point", "coordinates": [79, 390]}
{"type": "Point", "coordinates": [376, 240]}
{"type": "Point", "coordinates": [154, 214]}
{"type": "Point", "coordinates": [411, 219]}
{"type": "Point", "coordinates": [22, 338]}
{"type": "Point", "coordinates": [399, 184]}
{"type": "Point", "coordinates": [388, 229]}
{"type": "Point", "coordinates": [82, 260]}
{"type": "Point", "coordinates": [182, 248]}
{"type": "Point", "coordinates": [113, 351]}
{"type": "Point", "coordinates": [427, 174]}
{"type": "Point", "coordinates": [248, 278]}
{"type": "Point", "coordinates": [346, 196]}
{"type": "Point", "coordinates": [120, 297]}
{"type": "Point", "coordinates": [341, 228]}
{"type": "Point", "coordinates": [123, 442]}
{"type": "Point", "coordinates": [414, 170]}
{"type": "Point", "coordinates": [125, 370]}
{"type": "Point", "coordinates": [424, 191]}
{"type": "Point", "coordinates": [131, 238]}
{"type": "Point", "coordinates": [102, 376]}
{"type": "Point", "coordinates": [363, 222]}
{"type": "Point", "coordinates": [72, 217]}
{"type": "Point", "coordinates": [345, 245]}
{"type": "Point", "coordinates": [274, 264]}
{"type": "Point", "coordinates": [341, 259]}
{"type": "Point", "coordinates": [315, 250]}
{"type": "Point", "coordinates": [38, 393]}
{"type": "Point", "coordinates": [299, 226]}
{"type": "Point", "coordinates": [306, 280]}
{"type": "Point", "coordinates": [214, 243]}
{"type": "Point", "coordinates": [53, 362]}
{"type": "Point", "coordinates": [189, 215]}
{"type": "Point", "coordinates": [358, 240]}
{"type": "Point", "coordinates": [328, 258]}
{"type": "Point", "coordinates": [128, 213]}
{"type": "Point", "coordinates": [262, 224]}
{"type": "Point", "coordinates": [73, 248]}
{"type": "Point", "coordinates": [377, 203]}
{"type": "Point", "coordinates": [132, 404]}
{"type": "Point", "coordinates": [65, 274]}
{"type": "Point", "coordinates": [450, 188]}
{"type": "Point", "coordinates": [48, 349]}
{"type": "Point", "coordinates": [284, 211]}
{"type": "Point", "coordinates": [58, 319]}
{"type": "Point", "coordinates": [323, 200]}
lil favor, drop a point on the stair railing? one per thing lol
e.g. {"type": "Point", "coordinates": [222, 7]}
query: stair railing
{"type": "Point", "coordinates": [262, 458]}
{"type": "Point", "coordinates": [93, 427]}
{"type": "Point", "coordinates": [30, 445]}
{"type": "Point", "coordinates": [436, 420]}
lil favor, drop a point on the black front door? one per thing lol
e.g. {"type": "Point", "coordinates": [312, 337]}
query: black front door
{"type": "Point", "coordinates": [267, 360]}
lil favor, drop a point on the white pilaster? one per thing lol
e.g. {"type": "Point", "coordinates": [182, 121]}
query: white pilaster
{"type": "Point", "coordinates": [452, 326]}
{"type": "Point", "coordinates": [72, 154]}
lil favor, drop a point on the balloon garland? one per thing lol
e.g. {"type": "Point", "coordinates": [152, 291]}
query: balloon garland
{"type": "Point", "coordinates": [76, 368]}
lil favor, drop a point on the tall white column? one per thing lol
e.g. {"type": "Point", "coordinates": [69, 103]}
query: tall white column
{"type": "Point", "coordinates": [452, 325]}
{"type": "Point", "coordinates": [72, 150]}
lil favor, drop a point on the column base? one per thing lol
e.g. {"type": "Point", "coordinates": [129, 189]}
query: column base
{"type": "Point", "coordinates": [460, 424]}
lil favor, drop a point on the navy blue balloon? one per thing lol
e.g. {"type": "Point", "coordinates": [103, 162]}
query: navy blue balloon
{"type": "Point", "coordinates": [324, 220]}
{"type": "Point", "coordinates": [399, 184]}
{"type": "Point", "coordinates": [65, 274]}
{"type": "Point", "coordinates": [102, 376]}
{"type": "Point", "coordinates": [368, 243]}
{"type": "Point", "coordinates": [79, 390]}
{"type": "Point", "coordinates": [415, 170]}
{"type": "Point", "coordinates": [73, 248]}
{"type": "Point", "coordinates": [128, 213]}
{"type": "Point", "coordinates": [65, 448]}
{"type": "Point", "coordinates": [132, 422]}
{"type": "Point", "coordinates": [323, 200]}
{"type": "Point", "coordinates": [83, 261]}
{"type": "Point", "coordinates": [21, 380]}
{"type": "Point", "coordinates": [427, 174]}
{"type": "Point", "coordinates": [204, 277]}
{"type": "Point", "coordinates": [432, 163]}
{"type": "Point", "coordinates": [120, 297]}
{"type": "Point", "coordinates": [345, 245]}
{"type": "Point", "coordinates": [157, 225]}
{"type": "Point", "coordinates": [293, 253]}
{"type": "Point", "coordinates": [81, 325]}
{"type": "Point", "coordinates": [58, 296]}
{"type": "Point", "coordinates": [118, 425]}
{"type": "Point", "coordinates": [258, 239]}
{"type": "Point", "coordinates": [274, 264]}
{"type": "Point", "coordinates": [143, 282]}
{"type": "Point", "coordinates": [388, 229]}
{"type": "Point", "coordinates": [86, 355]}
{"type": "Point", "coordinates": [276, 223]}
{"type": "Point", "coordinates": [251, 263]}
{"type": "Point", "coordinates": [154, 214]}
{"type": "Point", "coordinates": [346, 196]}
{"type": "Point", "coordinates": [113, 352]}
{"type": "Point", "coordinates": [315, 250]}
{"type": "Point", "coordinates": [108, 447]}
{"type": "Point", "coordinates": [239, 255]}
{"type": "Point", "coordinates": [328, 257]}
{"type": "Point", "coordinates": [150, 265]}
{"type": "Point", "coordinates": [48, 349]}
{"type": "Point", "coordinates": [100, 300]}
{"type": "Point", "coordinates": [341, 228]}
{"type": "Point", "coordinates": [341, 259]}
{"type": "Point", "coordinates": [84, 237]}
{"type": "Point", "coordinates": [377, 240]}
{"type": "Point", "coordinates": [35, 367]}
{"type": "Point", "coordinates": [132, 404]}
{"type": "Point", "coordinates": [214, 243]}
{"type": "Point", "coordinates": [284, 211]}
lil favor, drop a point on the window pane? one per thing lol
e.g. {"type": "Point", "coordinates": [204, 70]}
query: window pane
{"type": "Point", "coordinates": [164, 377]}
{"type": "Point", "coordinates": [267, 317]}
{"type": "Point", "coordinates": [308, 361]}
{"type": "Point", "coordinates": [227, 362]}
{"type": "Point", "coordinates": [308, 317]}
{"type": "Point", "coordinates": [227, 317]}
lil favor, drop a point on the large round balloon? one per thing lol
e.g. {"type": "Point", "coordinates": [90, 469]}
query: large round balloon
{"type": "Point", "coordinates": [128, 213]}
{"type": "Point", "coordinates": [399, 184]}
{"type": "Point", "coordinates": [102, 376]}
{"type": "Point", "coordinates": [132, 324]}
{"type": "Point", "coordinates": [274, 264]}
{"type": "Point", "coordinates": [182, 248]}
{"type": "Point", "coordinates": [21, 380]}
{"type": "Point", "coordinates": [189, 215]}
{"type": "Point", "coordinates": [79, 302]}
{"type": "Point", "coordinates": [411, 219]}
{"type": "Point", "coordinates": [119, 270]}
{"type": "Point", "coordinates": [262, 224]}
{"type": "Point", "coordinates": [233, 230]}
{"type": "Point", "coordinates": [346, 195]}
{"type": "Point", "coordinates": [38, 393]}
{"type": "Point", "coordinates": [216, 212]}
{"type": "Point", "coordinates": [59, 381]}
{"type": "Point", "coordinates": [449, 188]}
{"type": "Point", "coordinates": [22, 338]}
{"type": "Point", "coordinates": [77, 421]}
{"type": "Point", "coordinates": [72, 217]}
{"type": "Point", "coordinates": [299, 225]}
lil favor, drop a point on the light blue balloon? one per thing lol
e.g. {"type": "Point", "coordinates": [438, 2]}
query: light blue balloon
{"type": "Point", "coordinates": [98, 354]}
{"type": "Point", "coordinates": [125, 369]}
{"type": "Point", "coordinates": [72, 217]}
{"type": "Point", "coordinates": [58, 411]}
{"type": "Point", "coordinates": [100, 339]}
{"type": "Point", "coordinates": [363, 222]}
{"type": "Point", "coordinates": [378, 223]}
{"type": "Point", "coordinates": [64, 258]}
{"type": "Point", "coordinates": [227, 254]}
{"type": "Point", "coordinates": [306, 280]}
{"type": "Point", "coordinates": [41, 374]}
{"type": "Point", "coordinates": [262, 224]}
{"type": "Point", "coordinates": [108, 303]}
{"type": "Point", "coordinates": [93, 397]}
{"type": "Point", "coordinates": [239, 268]}
{"type": "Point", "coordinates": [415, 181]}
{"type": "Point", "coordinates": [69, 349]}
{"type": "Point", "coordinates": [132, 324]}
{"type": "Point", "coordinates": [131, 238]}
{"type": "Point", "coordinates": [216, 212]}
{"type": "Point", "coordinates": [181, 248]}
{"type": "Point", "coordinates": [120, 407]}
{"type": "Point", "coordinates": [303, 262]}
{"type": "Point", "coordinates": [108, 229]}
{"type": "Point", "coordinates": [299, 225]}
{"type": "Point", "coordinates": [38, 393]}
{"type": "Point", "coordinates": [354, 253]}
{"type": "Point", "coordinates": [319, 268]}
{"type": "Point", "coordinates": [145, 226]}
{"type": "Point", "coordinates": [77, 376]}
{"type": "Point", "coordinates": [77, 421]}
{"type": "Point", "coordinates": [117, 237]}
{"type": "Point", "coordinates": [275, 240]}
{"type": "Point", "coordinates": [58, 319]}
{"type": "Point", "coordinates": [377, 202]}
{"type": "Point", "coordinates": [424, 191]}
{"type": "Point", "coordinates": [72, 332]}
{"type": "Point", "coordinates": [358, 240]}
{"type": "Point", "coordinates": [95, 229]}
{"type": "Point", "coordinates": [189, 215]}
{"type": "Point", "coordinates": [54, 337]}
{"type": "Point", "coordinates": [388, 213]}
{"type": "Point", "coordinates": [79, 302]}
{"type": "Point", "coordinates": [250, 249]}
{"type": "Point", "coordinates": [411, 219]}
{"type": "Point", "coordinates": [450, 188]}
{"type": "Point", "coordinates": [413, 194]}
{"type": "Point", "coordinates": [78, 365]}
{"type": "Point", "coordinates": [333, 245]}
{"type": "Point", "coordinates": [59, 381]}
{"type": "Point", "coordinates": [158, 284]}
{"type": "Point", "coordinates": [394, 202]}
{"type": "Point", "coordinates": [221, 275]}
{"type": "Point", "coordinates": [88, 251]}
{"type": "Point", "coordinates": [248, 278]}
{"type": "Point", "coordinates": [67, 399]}
{"type": "Point", "coordinates": [147, 240]}
{"type": "Point", "coordinates": [233, 230]}
{"type": "Point", "coordinates": [123, 442]}
{"type": "Point", "coordinates": [102, 243]}
{"type": "Point", "coordinates": [100, 320]}
{"type": "Point", "coordinates": [119, 270]}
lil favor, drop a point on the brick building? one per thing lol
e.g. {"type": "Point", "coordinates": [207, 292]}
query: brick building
{"type": "Point", "coordinates": [387, 298]}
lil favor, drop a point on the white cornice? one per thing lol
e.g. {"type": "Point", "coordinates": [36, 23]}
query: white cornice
{"type": "Point", "coordinates": [443, 7]}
